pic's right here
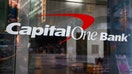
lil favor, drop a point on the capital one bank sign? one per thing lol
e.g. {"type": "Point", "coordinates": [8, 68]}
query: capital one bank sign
{"type": "Point", "coordinates": [68, 32]}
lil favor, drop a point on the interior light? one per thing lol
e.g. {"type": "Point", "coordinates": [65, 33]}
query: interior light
{"type": "Point", "coordinates": [75, 0]}
{"type": "Point", "coordinates": [73, 5]}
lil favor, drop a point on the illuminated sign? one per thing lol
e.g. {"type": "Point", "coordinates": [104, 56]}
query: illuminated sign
{"type": "Point", "coordinates": [43, 18]}
{"type": "Point", "coordinates": [53, 31]}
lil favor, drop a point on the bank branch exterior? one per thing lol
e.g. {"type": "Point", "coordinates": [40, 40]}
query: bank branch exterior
{"type": "Point", "coordinates": [65, 36]}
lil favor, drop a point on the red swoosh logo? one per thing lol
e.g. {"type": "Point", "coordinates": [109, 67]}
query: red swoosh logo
{"type": "Point", "coordinates": [86, 19]}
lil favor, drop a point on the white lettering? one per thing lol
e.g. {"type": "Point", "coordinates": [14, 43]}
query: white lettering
{"type": "Point", "coordinates": [37, 31]}
{"type": "Point", "coordinates": [103, 36]}
{"type": "Point", "coordinates": [60, 32]}
{"type": "Point", "coordinates": [73, 32]}
{"type": "Point", "coordinates": [53, 31]}
{"type": "Point", "coordinates": [10, 26]}
{"type": "Point", "coordinates": [26, 30]}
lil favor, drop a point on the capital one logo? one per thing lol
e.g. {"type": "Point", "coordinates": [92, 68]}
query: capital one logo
{"type": "Point", "coordinates": [86, 19]}
{"type": "Point", "coordinates": [52, 30]}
